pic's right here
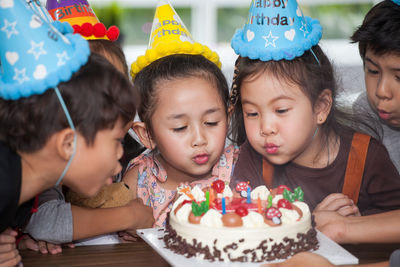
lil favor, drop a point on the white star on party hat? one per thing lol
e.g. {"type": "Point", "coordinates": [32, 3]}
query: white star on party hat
{"type": "Point", "coordinates": [62, 27]}
{"type": "Point", "coordinates": [34, 55]}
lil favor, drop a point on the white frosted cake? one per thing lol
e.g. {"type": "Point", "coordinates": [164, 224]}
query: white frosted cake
{"type": "Point", "coordinates": [248, 226]}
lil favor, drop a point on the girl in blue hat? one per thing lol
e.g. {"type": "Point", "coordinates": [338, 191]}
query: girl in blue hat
{"type": "Point", "coordinates": [286, 115]}
{"type": "Point", "coordinates": [286, 119]}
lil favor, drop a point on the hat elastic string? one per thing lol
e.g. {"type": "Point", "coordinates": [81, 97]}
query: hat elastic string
{"type": "Point", "coordinates": [37, 7]}
{"type": "Point", "coordinates": [315, 56]}
{"type": "Point", "coordinates": [71, 124]}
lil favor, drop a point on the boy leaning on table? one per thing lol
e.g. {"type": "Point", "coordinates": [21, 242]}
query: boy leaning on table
{"type": "Point", "coordinates": [53, 130]}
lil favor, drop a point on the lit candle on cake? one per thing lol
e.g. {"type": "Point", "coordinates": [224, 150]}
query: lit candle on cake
{"type": "Point", "coordinates": [212, 197]}
{"type": "Point", "coordinates": [248, 195]}
{"type": "Point", "coordinates": [208, 198]}
{"type": "Point", "coordinates": [223, 205]}
{"type": "Point", "coordinates": [259, 205]}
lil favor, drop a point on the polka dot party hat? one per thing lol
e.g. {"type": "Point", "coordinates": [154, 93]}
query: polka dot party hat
{"type": "Point", "coordinates": [170, 36]}
{"type": "Point", "coordinates": [34, 55]}
{"type": "Point", "coordinates": [275, 30]}
{"type": "Point", "coordinates": [82, 18]}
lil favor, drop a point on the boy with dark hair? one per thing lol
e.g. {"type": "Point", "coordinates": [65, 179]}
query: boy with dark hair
{"type": "Point", "coordinates": [63, 114]}
{"type": "Point", "coordinates": [379, 44]}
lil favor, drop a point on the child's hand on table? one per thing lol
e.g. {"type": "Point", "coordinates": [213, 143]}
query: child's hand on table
{"type": "Point", "coordinates": [142, 217]}
{"type": "Point", "coordinates": [9, 255]}
{"type": "Point", "coordinates": [331, 224]}
{"type": "Point", "coordinates": [127, 237]}
{"type": "Point", "coordinates": [42, 246]}
{"type": "Point", "coordinates": [340, 203]}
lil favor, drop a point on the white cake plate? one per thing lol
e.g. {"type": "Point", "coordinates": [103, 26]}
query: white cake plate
{"type": "Point", "coordinates": [327, 248]}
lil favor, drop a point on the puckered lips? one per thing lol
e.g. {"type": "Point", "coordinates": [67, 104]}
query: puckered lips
{"type": "Point", "coordinates": [201, 159]}
{"type": "Point", "coordinates": [271, 148]}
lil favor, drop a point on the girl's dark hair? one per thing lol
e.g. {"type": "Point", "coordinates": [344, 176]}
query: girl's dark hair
{"type": "Point", "coordinates": [310, 75]}
{"type": "Point", "coordinates": [96, 97]}
{"type": "Point", "coordinates": [380, 30]}
{"type": "Point", "coordinates": [171, 67]}
{"type": "Point", "coordinates": [110, 49]}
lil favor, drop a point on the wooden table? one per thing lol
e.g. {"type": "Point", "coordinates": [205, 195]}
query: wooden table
{"type": "Point", "coordinates": [130, 254]}
{"type": "Point", "coordinates": [141, 254]}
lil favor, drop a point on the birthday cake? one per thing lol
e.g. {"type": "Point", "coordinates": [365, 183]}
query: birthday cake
{"type": "Point", "coordinates": [257, 225]}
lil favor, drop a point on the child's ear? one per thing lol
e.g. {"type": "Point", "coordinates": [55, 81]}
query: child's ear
{"type": "Point", "coordinates": [323, 106]}
{"type": "Point", "coordinates": [142, 132]}
{"type": "Point", "coordinates": [65, 143]}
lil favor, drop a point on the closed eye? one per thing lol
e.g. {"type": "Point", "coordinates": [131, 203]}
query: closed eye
{"type": "Point", "coordinates": [251, 114]}
{"type": "Point", "coordinates": [179, 129]}
{"type": "Point", "coordinates": [372, 71]}
{"type": "Point", "coordinates": [211, 123]}
{"type": "Point", "coordinates": [282, 111]}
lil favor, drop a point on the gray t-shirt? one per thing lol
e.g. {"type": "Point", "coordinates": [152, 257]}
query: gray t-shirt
{"type": "Point", "coordinates": [53, 220]}
{"type": "Point", "coordinates": [395, 259]}
{"type": "Point", "coordinates": [389, 136]}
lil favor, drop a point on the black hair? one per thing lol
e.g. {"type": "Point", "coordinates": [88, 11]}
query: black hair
{"type": "Point", "coordinates": [174, 67]}
{"type": "Point", "coordinates": [96, 96]}
{"type": "Point", "coordinates": [312, 76]}
{"type": "Point", "coordinates": [380, 30]}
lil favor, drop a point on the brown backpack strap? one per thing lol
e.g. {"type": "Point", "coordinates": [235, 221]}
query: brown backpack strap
{"type": "Point", "coordinates": [355, 166]}
{"type": "Point", "coordinates": [268, 172]}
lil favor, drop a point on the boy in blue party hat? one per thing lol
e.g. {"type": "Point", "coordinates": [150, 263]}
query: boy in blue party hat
{"type": "Point", "coordinates": [288, 124]}
{"type": "Point", "coordinates": [379, 43]}
{"type": "Point", "coordinates": [53, 129]}
{"type": "Point", "coordinates": [62, 27]}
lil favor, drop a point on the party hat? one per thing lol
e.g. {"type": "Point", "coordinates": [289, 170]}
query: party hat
{"type": "Point", "coordinates": [34, 56]}
{"type": "Point", "coordinates": [39, 9]}
{"type": "Point", "coordinates": [82, 18]}
{"type": "Point", "coordinates": [170, 36]}
{"type": "Point", "coordinates": [276, 30]}
{"type": "Point", "coordinates": [62, 27]}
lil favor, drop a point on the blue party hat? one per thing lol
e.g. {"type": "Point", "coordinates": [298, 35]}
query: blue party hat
{"type": "Point", "coordinates": [276, 30]}
{"type": "Point", "coordinates": [40, 10]}
{"type": "Point", "coordinates": [34, 55]}
{"type": "Point", "coordinates": [62, 27]}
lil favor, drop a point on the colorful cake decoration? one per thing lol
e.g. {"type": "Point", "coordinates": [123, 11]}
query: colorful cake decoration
{"type": "Point", "coordinates": [82, 18]}
{"type": "Point", "coordinates": [34, 55]}
{"type": "Point", "coordinates": [276, 30]}
{"type": "Point", "coordinates": [268, 228]}
{"type": "Point", "coordinates": [170, 36]}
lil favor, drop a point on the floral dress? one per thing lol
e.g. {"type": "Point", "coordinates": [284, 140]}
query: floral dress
{"type": "Point", "coordinates": [160, 199]}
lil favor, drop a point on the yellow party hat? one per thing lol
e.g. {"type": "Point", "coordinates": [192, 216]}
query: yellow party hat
{"type": "Point", "coordinates": [170, 36]}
